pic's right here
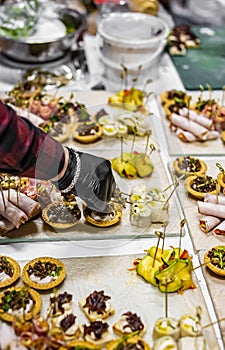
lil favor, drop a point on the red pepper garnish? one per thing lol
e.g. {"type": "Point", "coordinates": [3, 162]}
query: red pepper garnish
{"type": "Point", "coordinates": [184, 255]}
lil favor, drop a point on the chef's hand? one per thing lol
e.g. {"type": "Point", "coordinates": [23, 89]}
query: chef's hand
{"type": "Point", "coordinates": [90, 178]}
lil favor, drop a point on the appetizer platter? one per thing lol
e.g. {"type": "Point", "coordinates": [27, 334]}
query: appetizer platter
{"type": "Point", "coordinates": [43, 273]}
{"type": "Point", "coordinates": [129, 297]}
{"type": "Point", "coordinates": [203, 205]}
{"type": "Point", "coordinates": [215, 284]}
{"type": "Point", "coordinates": [187, 122]}
{"type": "Point", "coordinates": [119, 225]}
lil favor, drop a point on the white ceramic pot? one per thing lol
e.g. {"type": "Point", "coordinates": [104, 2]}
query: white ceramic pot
{"type": "Point", "coordinates": [131, 39]}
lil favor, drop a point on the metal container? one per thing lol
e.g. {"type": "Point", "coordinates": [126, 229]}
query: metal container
{"type": "Point", "coordinates": [38, 52]}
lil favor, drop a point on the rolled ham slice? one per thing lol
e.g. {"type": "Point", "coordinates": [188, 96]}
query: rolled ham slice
{"type": "Point", "coordinates": [212, 209]}
{"type": "Point", "coordinates": [213, 198]}
{"type": "Point", "coordinates": [198, 118]}
{"type": "Point", "coordinates": [5, 225]}
{"type": "Point", "coordinates": [207, 223]}
{"type": "Point", "coordinates": [12, 213]}
{"type": "Point", "coordinates": [211, 135]}
{"type": "Point", "coordinates": [185, 136]}
{"type": "Point", "coordinates": [26, 204]}
{"type": "Point", "coordinates": [188, 125]}
{"type": "Point", "coordinates": [220, 229]}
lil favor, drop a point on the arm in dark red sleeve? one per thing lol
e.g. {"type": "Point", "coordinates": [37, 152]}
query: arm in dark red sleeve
{"type": "Point", "coordinates": [26, 150]}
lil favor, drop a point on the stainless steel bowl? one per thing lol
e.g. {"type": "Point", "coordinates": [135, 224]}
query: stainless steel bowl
{"type": "Point", "coordinates": [39, 52]}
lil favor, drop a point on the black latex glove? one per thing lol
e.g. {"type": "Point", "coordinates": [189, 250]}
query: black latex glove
{"type": "Point", "coordinates": [95, 184]}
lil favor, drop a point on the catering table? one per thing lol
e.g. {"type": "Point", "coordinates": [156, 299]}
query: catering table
{"type": "Point", "coordinates": [167, 79]}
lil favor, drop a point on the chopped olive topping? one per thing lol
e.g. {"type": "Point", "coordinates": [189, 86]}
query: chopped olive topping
{"type": "Point", "coordinates": [96, 327]}
{"type": "Point", "coordinates": [176, 106]}
{"type": "Point", "coordinates": [130, 346]}
{"type": "Point", "coordinates": [217, 257]}
{"type": "Point", "coordinates": [87, 129]}
{"type": "Point", "coordinates": [6, 267]}
{"type": "Point", "coordinates": [134, 322]}
{"type": "Point", "coordinates": [64, 213]}
{"type": "Point", "coordinates": [15, 300]}
{"type": "Point", "coordinates": [189, 164]}
{"type": "Point", "coordinates": [43, 269]}
{"type": "Point", "coordinates": [204, 184]}
{"type": "Point", "coordinates": [96, 302]}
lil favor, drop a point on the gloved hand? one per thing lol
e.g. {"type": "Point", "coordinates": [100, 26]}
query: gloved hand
{"type": "Point", "coordinates": [90, 178]}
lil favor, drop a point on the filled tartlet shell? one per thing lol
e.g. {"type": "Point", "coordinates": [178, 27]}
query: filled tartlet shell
{"type": "Point", "coordinates": [106, 223]}
{"type": "Point", "coordinates": [180, 171]}
{"type": "Point", "coordinates": [16, 272]}
{"type": "Point", "coordinates": [199, 195]}
{"type": "Point", "coordinates": [81, 344]}
{"type": "Point", "coordinates": [39, 285]}
{"type": "Point", "coordinates": [88, 138]}
{"type": "Point", "coordinates": [212, 267]}
{"type": "Point", "coordinates": [29, 315]}
{"type": "Point", "coordinates": [57, 225]}
{"type": "Point", "coordinates": [113, 345]}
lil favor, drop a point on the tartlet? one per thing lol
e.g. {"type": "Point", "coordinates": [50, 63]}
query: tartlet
{"type": "Point", "coordinates": [193, 181]}
{"type": "Point", "coordinates": [128, 342]}
{"type": "Point", "coordinates": [88, 132]}
{"type": "Point", "coordinates": [80, 344]}
{"type": "Point", "coordinates": [61, 215]}
{"type": "Point", "coordinates": [100, 219]}
{"type": "Point", "coordinates": [34, 266]}
{"type": "Point", "coordinates": [187, 165]}
{"type": "Point", "coordinates": [36, 307]}
{"type": "Point", "coordinates": [214, 259]}
{"type": "Point", "coordinates": [13, 269]}
{"type": "Point", "coordinates": [58, 130]}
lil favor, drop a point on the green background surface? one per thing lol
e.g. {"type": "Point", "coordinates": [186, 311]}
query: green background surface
{"type": "Point", "coordinates": [204, 65]}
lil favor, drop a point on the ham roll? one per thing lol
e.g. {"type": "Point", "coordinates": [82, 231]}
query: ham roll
{"type": "Point", "coordinates": [207, 223]}
{"type": "Point", "coordinates": [213, 198]}
{"type": "Point", "coordinates": [26, 204]}
{"type": "Point", "coordinates": [220, 229]}
{"type": "Point", "coordinates": [217, 210]}
{"type": "Point", "coordinates": [185, 136]}
{"type": "Point", "coordinates": [198, 118]}
{"type": "Point", "coordinates": [11, 212]}
{"type": "Point", "coordinates": [5, 225]}
{"type": "Point", "coordinates": [188, 125]}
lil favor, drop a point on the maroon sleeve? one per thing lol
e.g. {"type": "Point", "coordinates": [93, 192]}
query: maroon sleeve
{"type": "Point", "coordinates": [26, 150]}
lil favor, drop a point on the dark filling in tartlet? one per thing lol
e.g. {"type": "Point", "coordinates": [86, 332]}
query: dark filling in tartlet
{"type": "Point", "coordinates": [189, 164]}
{"type": "Point", "coordinates": [42, 269]}
{"type": "Point", "coordinates": [204, 184]}
{"type": "Point", "coordinates": [87, 129]}
{"type": "Point", "coordinates": [96, 302]}
{"type": "Point", "coordinates": [217, 257]}
{"type": "Point", "coordinates": [133, 322]}
{"type": "Point", "coordinates": [6, 267]}
{"type": "Point", "coordinates": [63, 213]}
{"type": "Point", "coordinates": [130, 346]}
{"type": "Point", "coordinates": [15, 300]}
{"type": "Point", "coordinates": [96, 327]}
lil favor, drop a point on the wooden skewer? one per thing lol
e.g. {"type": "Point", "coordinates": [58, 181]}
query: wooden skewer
{"type": "Point", "coordinates": [3, 198]}
{"type": "Point", "coordinates": [159, 234]}
{"type": "Point", "coordinates": [164, 234]}
{"type": "Point", "coordinates": [148, 133]}
{"type": "Point", "coordinates": [182, 223]}
{"type": "Point", "coordinates": [215, 322]}
{"type": "Point", "coordinates": [121, 148]}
